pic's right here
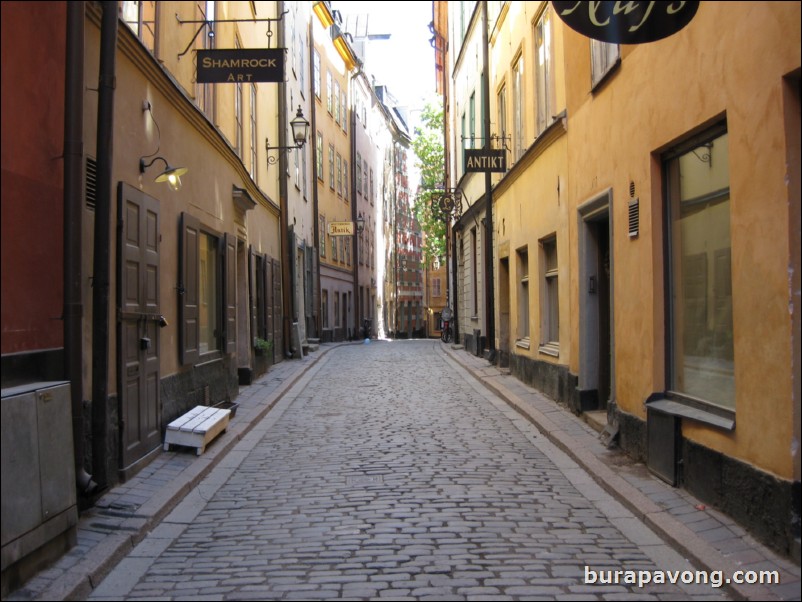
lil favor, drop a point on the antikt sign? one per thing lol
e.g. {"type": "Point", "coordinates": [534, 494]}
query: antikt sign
{"type": "Point", "coordinates": [626, 22]}
{"type": "Point", "coordinates": [485, 160]}
{"type": "Point", "coordinates": [240, 66]}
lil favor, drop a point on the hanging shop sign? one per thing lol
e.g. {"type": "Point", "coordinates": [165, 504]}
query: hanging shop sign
{"type": "Point", "coordinates": [240, 66]}
{"type": "Point", "coordinates": [341, 228]}
{"type": "Point", "coordinates": [492, 160]}
{"type": "Point", "coordinates": [626, 22]}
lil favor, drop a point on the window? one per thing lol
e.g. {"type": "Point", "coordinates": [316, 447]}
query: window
{"type": "Point", "coordinates": [702, 360]}
{"type": "Point", "coordinates": [517, 109]}
{"type": "Point", "coordinates": [344, 110]}
{"type": "Point", "coordinates": [472, 113]}
{"type": "Point", "coordinates": [253, 131]}
{"type": "Point", "coordinates": [339, 174]}
{"type": "Point", "coordinates": [141, 18]}
{"type": "Point", "coordinates": [316, 74]}
{"type": "Point", "coordinates": [334, 255]}
{"type": "Point", "coordinates": [549, 298]}
{"type": "Point", "coordinates": [337, 102]}
{"type": "Point", "coordinates": [372, 189]}
{"type": "Point", "coordinates": [365, 178]}
{"type": "Point", "coordinates": [238, 116]}
{"type": "Point", "coordinates": [319, 158]}
{"type": "Point", "coordinates": [474, 275]}
{"type": "Point", "coordinates": [336, 310]}
{"type": "Point", "coordinates": [502, 117]}
{"type": "Point", "coordinates": [304, 170]}
{"type": "Point", "coordinates": [603, 57]}
{"type": "Point", "coordinates": [544, 72]}
{"type": "Point", "coordinates": [207, 300]}
{"type": "Point", "coordinates": [323, 235]}
{"type": "Point", "coordinates": [302, 63]}
{"type": "Point", "coordinates": [437, 289]}
{"type": "Point", "coordinates": [207, 292]}
{"type": "Point", "coordinates": [204, 93]}
{"type": "Point", "coordinates": [329, 92]}
{"type": "Point", "coordinates": [359, 173]}
{"type": "Point", "coordinates": [324, 307]}
{"type": "Point", "coordinates": [346, 177]}
{"type": "Point", "coordinates": [331, 166]}
{"type": "Point", "coordinates": [523, 296]}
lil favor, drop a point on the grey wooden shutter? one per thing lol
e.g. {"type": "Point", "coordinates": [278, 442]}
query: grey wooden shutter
{"type": "Point", "coordinates": [230, 293]}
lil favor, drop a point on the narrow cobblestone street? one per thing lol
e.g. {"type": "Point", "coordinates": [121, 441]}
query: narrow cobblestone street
{"type": "Point", "coordinates": [390, 472]}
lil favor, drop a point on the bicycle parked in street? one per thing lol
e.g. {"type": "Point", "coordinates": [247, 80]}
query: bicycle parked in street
{"type": "Point", "coordinates": [446, 334]}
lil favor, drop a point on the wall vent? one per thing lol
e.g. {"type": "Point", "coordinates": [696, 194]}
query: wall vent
{"type": "Point", "coordinates": [90, 184]}
{"type": "Point", "coordinates": [634, 218]}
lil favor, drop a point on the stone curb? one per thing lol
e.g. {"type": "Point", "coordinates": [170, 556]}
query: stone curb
{"type": "Point", "coordinates": [78, 582]}
{"type": "Point", "coordinates": [695, 548]}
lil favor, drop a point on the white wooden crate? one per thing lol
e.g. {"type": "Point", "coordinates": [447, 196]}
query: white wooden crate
{"type": "Point", "coordinates": [197, 428]}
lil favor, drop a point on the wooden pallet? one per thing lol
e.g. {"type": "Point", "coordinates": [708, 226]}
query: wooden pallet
{"type": "Point", "coordinates": [197, 428]}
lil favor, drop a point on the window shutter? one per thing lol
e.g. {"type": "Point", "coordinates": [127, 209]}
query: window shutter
{"type": "Point", "coordinates": [230, 293]}
{"type": "Point", "coordinates": [277, 313]}
{"type": "Point", "coordinates": [188, 290]}
{"type": "Point", "coordinates": [252, 292]}
{"type": "Point", "coordinates": [309, 255]}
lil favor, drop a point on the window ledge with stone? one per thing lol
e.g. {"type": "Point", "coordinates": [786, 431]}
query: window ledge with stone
{"type": "Point", "coordinates": [552, 349]}
{"type": "Point", "coordinates": [522, 343]}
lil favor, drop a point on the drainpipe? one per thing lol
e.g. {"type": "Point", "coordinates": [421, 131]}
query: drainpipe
{"type": "Point", "coordinates": [73, 304]}
{"type": "Point", "coordinates": [317, 311]}
{"type": "Point", "coordinates": [101, 269]}
{"type": "Point", "coordinates": [287, 254]}
{"type": "Point", "coordinates": [490, 312]}
{"type": "Point", "coordinates": [353, 201]}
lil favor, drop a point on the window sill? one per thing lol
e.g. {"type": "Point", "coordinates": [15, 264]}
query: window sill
{"type": "Point", "coordinates": [522, 343]}
{"type": "Point", "coordinates": [552, 349]}
{"type": "Point", "coordinates": [705, 416]}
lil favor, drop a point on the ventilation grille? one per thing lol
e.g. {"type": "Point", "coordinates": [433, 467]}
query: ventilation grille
{"type": "Point", "coordinates": [91, 183]}
{"type": "Point", "coordinates": [634, 218]}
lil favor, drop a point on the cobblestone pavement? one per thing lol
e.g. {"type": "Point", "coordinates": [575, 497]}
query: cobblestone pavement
{"type": "Point", "coordinates": [389, 472]}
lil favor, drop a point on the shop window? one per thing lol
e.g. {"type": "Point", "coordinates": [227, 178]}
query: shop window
{"type": "Point", "coordinates": [701, 365]}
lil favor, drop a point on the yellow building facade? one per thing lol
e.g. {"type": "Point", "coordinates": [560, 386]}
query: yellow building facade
{"type": "Point", "coordinates": [646, 240]}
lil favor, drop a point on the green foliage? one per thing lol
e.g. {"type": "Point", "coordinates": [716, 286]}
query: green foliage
{"type": "Point", "coordinates": [429, 149]}
{"type": "Point", "coordinates": [264, 346]}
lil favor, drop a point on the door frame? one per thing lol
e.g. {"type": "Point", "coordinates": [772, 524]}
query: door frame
{"type": "Point", "coordinates": [596, 209]}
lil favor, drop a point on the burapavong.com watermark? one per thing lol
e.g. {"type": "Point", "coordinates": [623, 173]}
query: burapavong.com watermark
{"type": "Point", "coordinates": [642, 578]}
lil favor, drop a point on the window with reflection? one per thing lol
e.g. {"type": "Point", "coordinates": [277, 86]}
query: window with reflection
{"type": "Point", "coordinates": [702, 363]}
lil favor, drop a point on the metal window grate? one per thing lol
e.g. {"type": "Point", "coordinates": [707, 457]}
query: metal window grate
{"type": "Point", "coordinates": [91, 183]}
{"type": "Point", "coordinates": [634, 218]}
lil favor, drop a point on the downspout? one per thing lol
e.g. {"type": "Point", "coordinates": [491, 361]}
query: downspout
{"type": "Point", "coordinates": [287, 259]}
{"type": "Point", "coordinates": [315, 203]}
{"type": "Point", "coordinates": [102, 251]}
{"type": "Point", "coordinates": [73, 303]}
{"type": "Point", "coordinates": [490, 311]}
{"type": "Point", "coordinates": [353, 201]}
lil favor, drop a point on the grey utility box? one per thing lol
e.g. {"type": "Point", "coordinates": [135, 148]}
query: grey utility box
{"type": "Point", "coordinates": [39, 505]}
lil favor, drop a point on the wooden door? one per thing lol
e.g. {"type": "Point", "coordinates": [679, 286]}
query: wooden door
{"type": "Point", "coordinates": [138, 324]}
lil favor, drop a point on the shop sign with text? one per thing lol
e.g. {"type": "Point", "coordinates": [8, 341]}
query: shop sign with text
{"type": "Point", "coordinates": [626, 22]}
{"type": "Point", "coordinates": [481, 161]}
{"type": "Point", "coordinates": [341, 228]}
{"type": "Point", "coordinates": [240, 66]}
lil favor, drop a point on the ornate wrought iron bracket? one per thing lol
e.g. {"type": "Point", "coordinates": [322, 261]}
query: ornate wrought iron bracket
{"type": "Point", "coordinates": [209, 22]}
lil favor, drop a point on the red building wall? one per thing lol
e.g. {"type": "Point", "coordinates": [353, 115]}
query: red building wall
{"type": "Point", "coordinates": [33, 50]}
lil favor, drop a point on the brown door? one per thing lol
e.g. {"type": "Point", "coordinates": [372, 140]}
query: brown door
{"type": "Point", "coordinates": [138, 324]}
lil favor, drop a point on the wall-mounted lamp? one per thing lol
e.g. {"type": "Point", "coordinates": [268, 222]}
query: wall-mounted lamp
{"type": "Point", "coordinates": [300, 130]}
{"type": "Point", "coordinates": [360, 223]}
{"type": "Point", "coordinates": [323, 12]}
{"type": "Point", "coordinates": [171, 175]}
